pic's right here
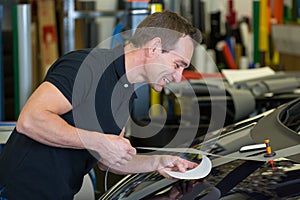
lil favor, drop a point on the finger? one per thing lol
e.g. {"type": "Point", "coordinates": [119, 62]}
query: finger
{"type": "Point", "coordinates": [129, 149]}
{"type": "Point", "coordinates": [188, 165]}
{"type": "Point", "coordinates": [181, 167]}
{"type": "Point", "coordinates": [122, 132]}
{"type": "Point", "coordinates": [192, 165]}
{"type": "Point", "coordinates": [127, 157]}
{"type": "Point", "coordinates": [126, 146]}
{"type": "Point", "coordinates": [118, 164]}
{"type": "Point", "coordinates": [125, 160]}
{"type": "Point", "coordinates": [132, 151]}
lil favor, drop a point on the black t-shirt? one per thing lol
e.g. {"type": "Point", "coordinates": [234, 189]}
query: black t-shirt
{"type": "Point", "coordinates": [94, 82]}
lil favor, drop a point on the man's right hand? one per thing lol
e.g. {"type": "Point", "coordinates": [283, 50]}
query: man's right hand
{"type": "Point", "coordinates": [115, 150]}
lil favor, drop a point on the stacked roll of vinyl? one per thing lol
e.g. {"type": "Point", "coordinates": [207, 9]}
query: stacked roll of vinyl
{"type": "Point", "coordinates": [22, 55]}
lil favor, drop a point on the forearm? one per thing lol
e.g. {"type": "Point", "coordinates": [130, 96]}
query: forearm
{"type": "Point", "coordinates": [138, 164]}
{"type": "Point", "coordinates": [50, 129]}
{"type": "Point", "coordinates": [149, 163]}
{"type": "Point", "coordinates": [41, 120]}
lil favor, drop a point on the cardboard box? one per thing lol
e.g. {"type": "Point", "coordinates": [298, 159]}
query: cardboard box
{"type": "Point", "coordinates": [287, 42]}
{"type": "Point", "coordinates": [48, 41]}
{"type": "Point", "coordinates": [290, 62]}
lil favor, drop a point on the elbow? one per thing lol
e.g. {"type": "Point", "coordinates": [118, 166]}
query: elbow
{"type": "Point", "coordinates": [24, 125]}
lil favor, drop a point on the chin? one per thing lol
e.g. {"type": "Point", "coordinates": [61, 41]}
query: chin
{"type": "Point", "coordinates": [157, 88]}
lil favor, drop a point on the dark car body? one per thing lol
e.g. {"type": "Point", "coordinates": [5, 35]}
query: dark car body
{"type": "Point", "coordinates": [231, 177]}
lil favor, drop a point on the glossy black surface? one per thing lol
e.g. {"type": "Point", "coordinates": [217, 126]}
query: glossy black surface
{"type": "Point", "coordinates": [230, 179]}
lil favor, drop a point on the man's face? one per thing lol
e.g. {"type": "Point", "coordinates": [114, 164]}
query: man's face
{"type": "Point", "coordinates": [168, 67]}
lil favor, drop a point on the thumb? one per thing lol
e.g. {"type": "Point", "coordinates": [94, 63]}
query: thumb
{"type": "Point", "coordinates": [122, 132]}
{"type": "Point", "coordinates": [132, 151]}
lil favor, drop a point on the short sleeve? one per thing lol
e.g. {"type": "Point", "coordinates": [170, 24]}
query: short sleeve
{"type": "Point", "coordinates": [63, 72]}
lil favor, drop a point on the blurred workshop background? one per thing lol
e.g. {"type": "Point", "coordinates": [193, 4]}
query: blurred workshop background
{"type": "Point", "coordinates": [238, 35]}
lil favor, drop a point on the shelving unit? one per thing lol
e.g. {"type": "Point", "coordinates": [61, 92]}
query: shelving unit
{"type": "Point", "coordinates": [70, 15]}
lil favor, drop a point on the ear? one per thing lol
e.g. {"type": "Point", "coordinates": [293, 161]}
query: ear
{"type": "Point", "coordinates": [154, 46]}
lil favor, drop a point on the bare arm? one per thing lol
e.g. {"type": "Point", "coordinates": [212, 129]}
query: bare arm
{"type": "Point", "coordinates": [149, 163]}
{"type": "Point", "coordinates": [40, 120]}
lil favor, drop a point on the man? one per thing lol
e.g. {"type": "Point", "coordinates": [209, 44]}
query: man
{"type": "Point", "coordinates": [76, 117]}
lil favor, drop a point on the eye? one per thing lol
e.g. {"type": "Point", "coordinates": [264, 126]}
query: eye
{"type": "Point", "coordinates": [177, 66]}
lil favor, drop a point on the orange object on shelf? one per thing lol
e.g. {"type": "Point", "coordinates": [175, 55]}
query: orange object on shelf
{"type": "Point", "coordinates": [188, 75]}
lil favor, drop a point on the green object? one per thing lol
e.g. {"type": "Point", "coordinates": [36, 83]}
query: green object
{"type": "Point", "coordinates": [286, 14]}
{"type": "Point", "coordinates": [16, 62]}
{"type": "Point", "coordinates": [294, 10]}
{"type": "Point", "coordinates": [256, 7]}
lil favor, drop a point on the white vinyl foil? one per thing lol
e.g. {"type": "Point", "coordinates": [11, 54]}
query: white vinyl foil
{"type": "Point", "coordinates": [201, 171]}
{"type": "Point", "coordinates": [204, 168]}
